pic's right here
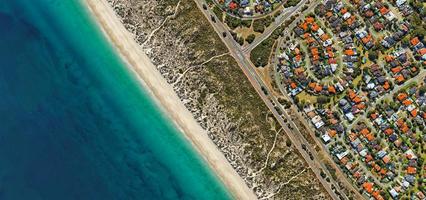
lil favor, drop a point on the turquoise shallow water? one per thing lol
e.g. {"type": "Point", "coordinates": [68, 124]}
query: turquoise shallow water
{"type": "Point", "coordinates": [74, 124]}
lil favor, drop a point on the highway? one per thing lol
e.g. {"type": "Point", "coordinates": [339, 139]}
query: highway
{"type": "Point", "coordinates": [248, 68]}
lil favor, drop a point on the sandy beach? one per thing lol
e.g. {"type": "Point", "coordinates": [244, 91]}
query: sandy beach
{"type": "Point", "coordinates": [165, 97]}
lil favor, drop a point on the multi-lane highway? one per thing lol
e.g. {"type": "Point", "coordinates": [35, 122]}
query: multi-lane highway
{"type": "Point", "coordinates": [271, 102]}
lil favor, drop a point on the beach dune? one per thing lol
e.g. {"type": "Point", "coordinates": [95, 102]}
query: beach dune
{"type": "Point", "coordinates": [139, 63]}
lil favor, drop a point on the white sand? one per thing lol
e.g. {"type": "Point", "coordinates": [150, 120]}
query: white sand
{"type": "Point", "coordinates": [165, 96]}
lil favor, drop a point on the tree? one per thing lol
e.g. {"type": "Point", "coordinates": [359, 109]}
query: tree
{"type": "Point", "coordinates": [372, 55]}
{"type": "Point", "coordinates": [422, 90]}
{"type": "Point", "coordinates": [323, 99]}
{"type": "Point", "coordinates": [258, 27]}
{"type": "Point", "coordinates": [250, 38]}
{"type": "Point", "coordinates": [288, 143]}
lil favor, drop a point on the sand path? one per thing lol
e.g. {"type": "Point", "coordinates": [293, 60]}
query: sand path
{"type": "Point", "coordinates": [139, 63]}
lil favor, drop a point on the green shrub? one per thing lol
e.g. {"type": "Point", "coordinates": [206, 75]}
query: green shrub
{"type": "Point", "coordinates": [250, 38]}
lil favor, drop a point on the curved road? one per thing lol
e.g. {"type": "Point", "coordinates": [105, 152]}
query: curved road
{"type": "Point", "coordinates": [248, 68]}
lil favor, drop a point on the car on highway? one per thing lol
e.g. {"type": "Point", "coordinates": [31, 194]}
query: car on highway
{"type": "Point", "coordinates": [311, 156]}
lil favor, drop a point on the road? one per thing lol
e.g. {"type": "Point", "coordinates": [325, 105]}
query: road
{"type": "Point", "coordinates": [339, 173]}
{"type": "Point", "coordinates": [248, 68]}
{"type": "Point", "coordinates": [286, 14]}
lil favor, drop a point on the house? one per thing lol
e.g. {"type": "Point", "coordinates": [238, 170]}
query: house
{"type": "Point", "coordinates": [386, 159]}
{"type": "Point", "coordinates": [399, 3]}
{"type": "Point", "coordinates": [368, 187]}
{"type": "Point", "coordinates": [326, 138]}
{"type": "Point", "coordinates": [411, 170]}
{"type": "Point", "coordinates": [378, 26]}
{"type": "Point", "coordinates": [350, 116]}
{"type": "Point", "coordinates": [393, 193]}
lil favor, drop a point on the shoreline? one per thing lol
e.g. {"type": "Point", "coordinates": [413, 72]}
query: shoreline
{"type": "Point", "coordinates": [164, 96]}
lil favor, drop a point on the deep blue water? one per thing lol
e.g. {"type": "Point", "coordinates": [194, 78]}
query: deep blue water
{"type": "Point", "coordinates": [74, 124]}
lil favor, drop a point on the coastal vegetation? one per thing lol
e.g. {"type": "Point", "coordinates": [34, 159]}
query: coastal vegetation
{"type": "Point", "coordinates": [259, 25]}
{"type": "Point", "coordinates": [191, 56]}
{"type": "Point", "coordinates": [291, 3]}
{"type": "Point", "coordinates": [259, 56]}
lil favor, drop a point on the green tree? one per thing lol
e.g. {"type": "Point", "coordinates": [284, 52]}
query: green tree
{"type": "Point", "coordinates": [250, 38]}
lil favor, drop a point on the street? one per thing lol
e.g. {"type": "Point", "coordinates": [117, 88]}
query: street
{"type": "Point", "coordinates": [294, 135]}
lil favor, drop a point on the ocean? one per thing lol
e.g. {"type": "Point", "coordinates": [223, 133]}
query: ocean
{"type": "Point", "coordinates": [75, 124]}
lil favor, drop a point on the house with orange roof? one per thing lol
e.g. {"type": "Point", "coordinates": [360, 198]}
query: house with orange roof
{"type": "Point", "coordinates": [400, 122]}
{"type": "Point", "coordinates": [315, 27]}
{"type": "Point", "coordinates": [310, 20]}
{"type": "Point", "coordinates": [304, 26]}
{"type": "Point", "coordinates": [402, 96]}
{"type": "Point", "coordinates": [318, 88]}
{"type": "Point", "coordinates": [368, 158]}
{"type": "Point", "coordinates": [351, 94]}
{"type": "Point", "coordinates": [399, 79]}
{"type": "Point", "coordinates": [388, 131]}
{"type": "Point", "coordinates": [298, 58]}
{"type": "Point", "coordinates": [415, 41]}
{"type": "Point", "coordinates": [422, 51]}
{"type": "Point", "coordinates": [299, 70]}
{"type": "Point", "coordinates": [324, 37]}
{"type": "Point", "coordinates": [386, 86]}
{"type": "Point", "coordinates": [384, 10]}
{"type": "Point", "coordinates": [411, 170]}
{"type": "Point", "coordinates": [310, 40]}
{"type": "Point", "coordinates": [350, 20]}
{"type": "Point", "coordinates": [365, 132]}
{"type": "Point", "coordinates": [370, 137]}
{"type": "Point", "coordinates": [332, 133]}
{"type": "Point", "coordinates": [314, 51]}
{"type": "Point", "coordinates": [368, 187]}
{"type": "Point", "coordinates": [352, 136]}
{"type": "Point", "coordinates": [389, 58]}
{"type": "Point", "coordinates": [366, 39]}
{"type": "Point", "coordinates": [377, 168]}
{"type": "Point", "coordinates": [360, 106]}
{"type": "Point", "coordinates": [357, 100]}
{"type": "Point", "coordinates": [405, 128]}
{"type": "Point", "coordinates": [386, 159]}
{"type": "Point", "coordinates": [414, 113]}
{"type": "Point", "coordinates": [331, 89]}
{"type": "Point", "coordinates": [349, 52]}
{"type": "Point", "coordinates": [297, 51]}
{"type": "Point", "coordinates": [344, 160]}
{"type": "Point", "coordinates": [357, 174]}
{"type": "Point", "coordinates": [383, 171]}
{"type": "Point", "coordinates": [377, 196]}
{"type": "Point", "coordinates": [396, 69]}
{"type": "Point", "coordinates": [407, 102]}
{"type": "Point", "coordinates": [306, 35]}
